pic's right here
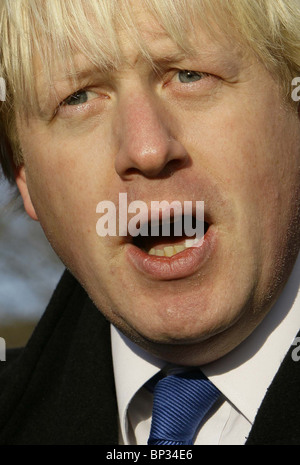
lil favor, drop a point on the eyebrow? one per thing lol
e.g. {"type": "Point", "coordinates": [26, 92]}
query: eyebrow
{"type": "Point", "coordinates": [175, 57]}
{"type": "Point", "coordinates": [83, 71]}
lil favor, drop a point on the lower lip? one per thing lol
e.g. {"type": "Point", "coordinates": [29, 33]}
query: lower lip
{"type": "Point", "coordinates": [181, 265]}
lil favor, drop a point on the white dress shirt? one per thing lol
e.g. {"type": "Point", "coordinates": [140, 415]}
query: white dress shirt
{"type": "Point", "coordinates": [242, 376]}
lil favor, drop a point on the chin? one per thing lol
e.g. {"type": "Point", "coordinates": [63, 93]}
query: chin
{"type": "Point", "coordinates": [177, 325]}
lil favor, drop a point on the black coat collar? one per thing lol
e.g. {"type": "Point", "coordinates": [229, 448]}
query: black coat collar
{"type": "Point", "coordinates": [60, 388]}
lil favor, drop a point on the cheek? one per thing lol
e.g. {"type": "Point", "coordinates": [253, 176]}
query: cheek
{"type": "Point", "coordinates": [255, 159]}
{"type": "Point", "coordinates": [64, 191]}
{"type": "Point", "coordinates": [66, 176]}
{"type": "Point", "coordinates": [253, 155]}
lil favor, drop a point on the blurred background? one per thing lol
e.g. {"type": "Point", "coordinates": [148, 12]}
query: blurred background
{"type": "Point", "coordinates": [29, 270]}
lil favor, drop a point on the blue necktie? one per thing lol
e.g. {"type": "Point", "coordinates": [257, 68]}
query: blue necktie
{"type": "Point", "coordinates": [180, 403]}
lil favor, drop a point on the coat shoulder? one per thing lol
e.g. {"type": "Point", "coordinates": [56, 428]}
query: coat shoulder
{"type": "Point", "coordinates": [59, 389]}
{"type": "Point", "coordinates": [278, 419]}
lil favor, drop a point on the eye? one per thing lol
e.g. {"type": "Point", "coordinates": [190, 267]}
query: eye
{"type": "Point", "coordinates": [187, 76]}
{"type": "Point", "coordinates": [79, 98]}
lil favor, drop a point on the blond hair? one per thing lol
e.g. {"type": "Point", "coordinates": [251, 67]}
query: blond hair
{"type": "Point", "coordinates": [52, 29]}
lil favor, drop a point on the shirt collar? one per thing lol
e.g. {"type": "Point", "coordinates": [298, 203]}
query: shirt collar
{"type": "Point", "coordinates": [243, 375]}
{"type": "Point", "coordinates": [133, 367]}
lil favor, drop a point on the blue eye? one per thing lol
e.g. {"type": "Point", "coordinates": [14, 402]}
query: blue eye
{"type": "Point", "coordinates": [187, 76]}
{"type": "Point", "coordinates": [78, 98]}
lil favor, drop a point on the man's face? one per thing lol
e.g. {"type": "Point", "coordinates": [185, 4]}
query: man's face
{"type": "Point", "coordinates": [221, 135]}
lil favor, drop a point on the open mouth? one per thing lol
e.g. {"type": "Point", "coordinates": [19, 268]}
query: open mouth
{"type": "Point", "coordinates": [167, 239]}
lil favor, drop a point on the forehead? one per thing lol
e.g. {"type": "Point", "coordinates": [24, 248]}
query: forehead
{"type": "Point", "coordinates": [156, 43]}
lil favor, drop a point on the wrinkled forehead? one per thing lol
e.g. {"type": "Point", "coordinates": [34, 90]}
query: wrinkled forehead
{"type": "Point", "coordinates": [146, 41]}
{"type": "Point", "coordinates": [101, 30]}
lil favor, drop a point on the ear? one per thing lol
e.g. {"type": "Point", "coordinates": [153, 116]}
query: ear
{"type": "Point", "coordinates": [20, 177]}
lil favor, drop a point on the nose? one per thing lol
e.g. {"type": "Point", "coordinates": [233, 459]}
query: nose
{"type": "Point", "coordinates": [147, 145]}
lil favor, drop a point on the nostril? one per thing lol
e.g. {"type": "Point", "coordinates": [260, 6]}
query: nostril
{"type": "Point", "coordinates": [132, 172]}
{"type": "Point", "coordinates": [173, 166]}
{"type": "Point", "coordinates": [167, 172]}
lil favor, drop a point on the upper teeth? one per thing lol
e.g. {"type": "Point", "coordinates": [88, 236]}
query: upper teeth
{"type": "Point", "coordinates": [169, 251]}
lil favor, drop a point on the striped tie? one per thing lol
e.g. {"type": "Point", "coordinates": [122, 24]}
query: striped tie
{"type": "Point", "coordinates": [180, 403]}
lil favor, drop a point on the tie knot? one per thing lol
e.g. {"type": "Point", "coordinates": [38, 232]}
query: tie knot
{"type": "Point", "coordinates": [180, 403]}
